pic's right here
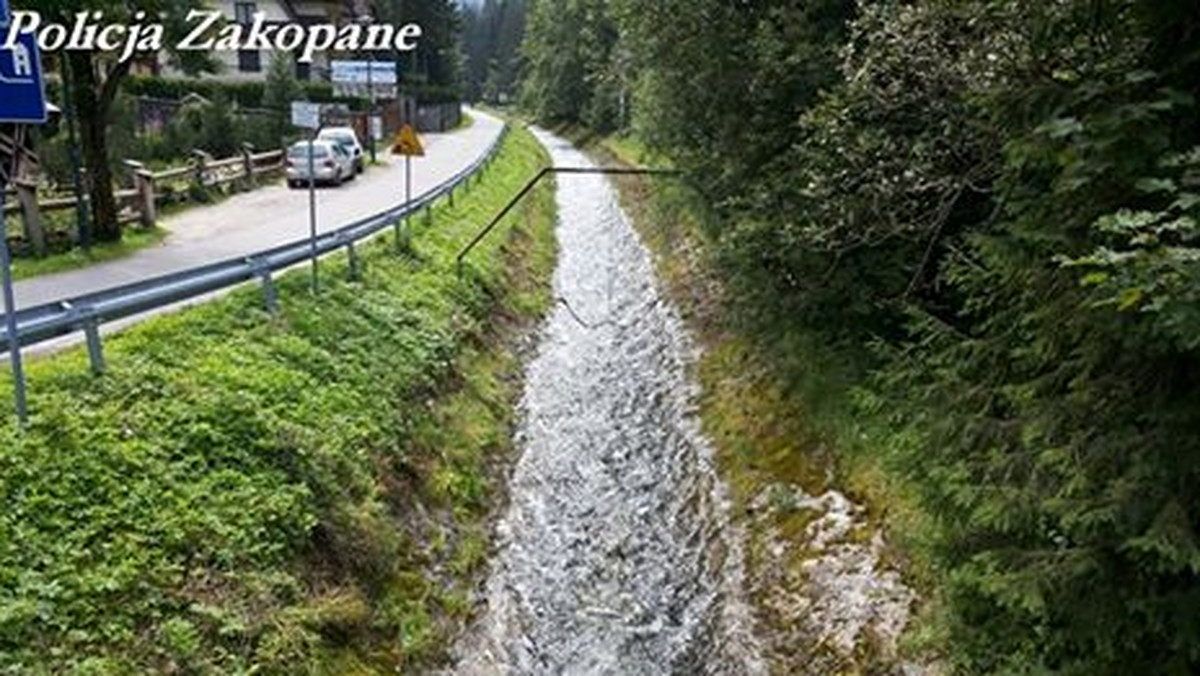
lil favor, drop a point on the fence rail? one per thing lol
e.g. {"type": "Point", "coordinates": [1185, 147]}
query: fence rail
{"type": "Point", "coordinates": [150, 189]}
{"type": "Point", "coordinates": [88, 312]}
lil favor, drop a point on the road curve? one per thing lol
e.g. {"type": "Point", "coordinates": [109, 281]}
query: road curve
{"type": "Point", "coordinates": [253, 221]}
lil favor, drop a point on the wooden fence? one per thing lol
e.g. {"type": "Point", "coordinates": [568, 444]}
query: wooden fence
{"type": "Point", "coordinates": [150, 189]}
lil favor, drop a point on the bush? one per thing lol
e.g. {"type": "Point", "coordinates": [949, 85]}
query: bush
{"type": "Point", "coordinates": [242, 94]}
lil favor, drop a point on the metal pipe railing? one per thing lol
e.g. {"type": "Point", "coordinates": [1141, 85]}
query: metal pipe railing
{"type": "Point", "coordinates": [607, 171]}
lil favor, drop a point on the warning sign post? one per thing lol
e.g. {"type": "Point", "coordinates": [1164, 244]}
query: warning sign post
{"type": "Point", "coordinates": [409, 145]}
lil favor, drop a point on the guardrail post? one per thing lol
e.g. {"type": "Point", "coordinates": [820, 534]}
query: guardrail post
{"type": "Point", "coordinates": [91, 330]}
{"type": "Point", "coordinates": [143, 182]}
{"type": "Point", "coordinates": [352, 254]}
{"type": "Point", "coordinates": [429, 214]}
{"type": "Point", "coordinates": [450, 196]}
{"type": "Point", "coordinates": [248, 163]}
{"type": "Point", "coordinates": [86, 319]}
{"type": "Point", "coordinates": [270, 295]}
{"type": "Point", "coordinates": [31, 216]}
{"type": "Point", "coordinates": [403, 235]}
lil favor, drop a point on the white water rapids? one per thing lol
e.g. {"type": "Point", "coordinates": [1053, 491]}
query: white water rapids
{"type": "Point", "coordinates": [617, 554]}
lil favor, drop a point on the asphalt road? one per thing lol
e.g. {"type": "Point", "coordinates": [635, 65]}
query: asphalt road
{"type": "Point", "coordinates": [270, 216]}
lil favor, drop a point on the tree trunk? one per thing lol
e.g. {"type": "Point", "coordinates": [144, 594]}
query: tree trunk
{"type": "Point", "coordinates": [91, 108]}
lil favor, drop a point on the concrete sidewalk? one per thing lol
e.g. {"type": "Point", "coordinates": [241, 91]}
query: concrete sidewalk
{"type": "Point", "coordinates": [270, 216]}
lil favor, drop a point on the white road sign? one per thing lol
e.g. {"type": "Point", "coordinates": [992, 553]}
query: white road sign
{"type": "Point", "coordinates": [362, 72]}
{"type": "Point", "coordinates": [306, 115]}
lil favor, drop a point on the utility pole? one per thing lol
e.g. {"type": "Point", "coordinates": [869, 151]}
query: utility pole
{"type": "Point", "coordinates": [81, 200]}
{"type": "Point", "coordinates": [312, 209]}
{"type": "Point", "coordinates": [366, 20]}
{"type": "Point", "coordinates": [371, 105]}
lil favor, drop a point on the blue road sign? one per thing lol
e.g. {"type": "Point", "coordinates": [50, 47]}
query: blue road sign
{"type": "Point", "coordinates": [5, 13]}
{"type": "Point", "coordinates": [22, 94]}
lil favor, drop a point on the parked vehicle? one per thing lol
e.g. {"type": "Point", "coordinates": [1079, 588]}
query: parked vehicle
{"type": "Point", "coordinates": [348, 140]}
{"type": "Point", "coordinates": [330, 161]}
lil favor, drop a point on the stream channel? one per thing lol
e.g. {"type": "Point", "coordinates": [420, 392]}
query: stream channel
{"type": "Point", "coordinates": [616, 553]}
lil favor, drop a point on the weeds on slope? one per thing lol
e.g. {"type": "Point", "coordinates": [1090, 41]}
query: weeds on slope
{"type": "Point", "coordinates": [299, 494]}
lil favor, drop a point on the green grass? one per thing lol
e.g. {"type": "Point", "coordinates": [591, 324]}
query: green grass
{"type": "Point", "coordinates": [133, 240]}
{"type": "Point", "coordinates": [301, 494]}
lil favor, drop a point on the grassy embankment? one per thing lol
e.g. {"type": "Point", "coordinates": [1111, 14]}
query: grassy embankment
{"type": "Point", "coordinates": [778, 403]}
{"type": "Point", "coordinates": [304, 494]}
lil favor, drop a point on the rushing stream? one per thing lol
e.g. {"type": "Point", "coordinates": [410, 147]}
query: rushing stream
{"type": "Point", "coordinates": [615, 554]}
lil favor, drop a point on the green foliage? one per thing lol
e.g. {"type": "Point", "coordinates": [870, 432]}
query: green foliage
{"type": "Point", "coordinates": [1053, 421]}
{"type": "Point", "coordinates": [1001, 199]}
{"type": "Point", "coordinates": [1149, 262]}
{"type": "Point", "coordinates": [280, 89]}
{"type": "Point", "coordinates": [492, 35]}
{"type": "Point", "coordinates": [244, 94]}
{"type": "Point", "coordinates": [571, 63]}
{"type": "Point", "coordinates": [438, 61]}
{"type": "Point", "coordinates": [240, 493]}
{"type": "Point", "coordinates": [259, 94]}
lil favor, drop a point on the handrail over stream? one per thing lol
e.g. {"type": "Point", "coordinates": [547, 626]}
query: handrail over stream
{"type": "Point", "coordinates": [607, 171]}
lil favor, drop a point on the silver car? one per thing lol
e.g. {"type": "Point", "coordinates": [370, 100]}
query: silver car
{"type": "Point", "coordinates": [331, 164]}
{"type": "Point", "coordinates": [348, 140]}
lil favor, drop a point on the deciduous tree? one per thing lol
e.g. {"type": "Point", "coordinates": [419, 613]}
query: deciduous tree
{"type": "Point", "coordinates": [95, 81]}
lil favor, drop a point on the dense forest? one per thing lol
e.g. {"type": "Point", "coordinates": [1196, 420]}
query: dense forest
{"type": "Point", "coordinates": [492, 32]}
{"type": "Point", "coordinates": [996, 203]}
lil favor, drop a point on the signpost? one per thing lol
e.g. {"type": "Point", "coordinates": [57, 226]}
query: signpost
{"type": "Point", "coordinates": [369, 73]}
{"type": "Point", "coordinates": [308, 116]}
{"type": "Point", "coordinates": [22, 102]}
{"type": "Point", "coordinates": [408, 145]}
{"type": "Point", "coordinates": [362, 72]}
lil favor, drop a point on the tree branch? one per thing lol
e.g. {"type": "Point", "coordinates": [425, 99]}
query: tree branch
{"type": "Point", "coordinates": [112, 80]}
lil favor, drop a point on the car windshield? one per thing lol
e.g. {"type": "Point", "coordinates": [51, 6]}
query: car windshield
{"type": "Point", "coordinates": [302, 151]}
{"type": "Point", "coordinates": [343, 139]}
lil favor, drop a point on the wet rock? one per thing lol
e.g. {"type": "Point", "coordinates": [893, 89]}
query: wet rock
{"type": "Point", "coordinates": [827, 601]}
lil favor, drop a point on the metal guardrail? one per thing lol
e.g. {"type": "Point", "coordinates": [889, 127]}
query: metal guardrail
{"type": "Point", "coordinates": [87, 312]}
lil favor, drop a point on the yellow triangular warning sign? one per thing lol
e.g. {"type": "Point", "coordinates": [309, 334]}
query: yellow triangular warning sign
{"type": "Point", "coordinates": [407, 143]}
